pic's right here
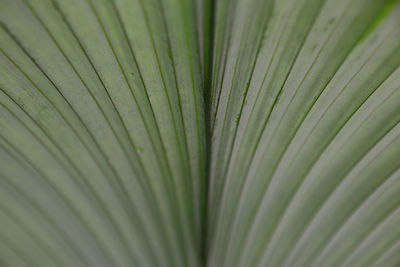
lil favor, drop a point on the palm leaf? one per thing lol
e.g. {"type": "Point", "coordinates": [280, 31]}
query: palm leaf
{"type": "Point", "coordinates": [199, 133]}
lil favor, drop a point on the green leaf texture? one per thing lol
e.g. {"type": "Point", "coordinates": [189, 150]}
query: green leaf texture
{"type": "Point", "coordinates": [219, 133]}
{"type": "Point", "coordinates": [102, 133]}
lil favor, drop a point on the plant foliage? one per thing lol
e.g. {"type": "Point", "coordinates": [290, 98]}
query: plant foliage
{"type": "Point", "coordinates": [200, 133]}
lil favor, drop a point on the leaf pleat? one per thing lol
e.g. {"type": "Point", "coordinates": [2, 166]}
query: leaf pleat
{"type": "Point", "coordinates": [249, 133]}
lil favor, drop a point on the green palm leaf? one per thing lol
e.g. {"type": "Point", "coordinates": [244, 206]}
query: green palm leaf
{"type": "Point", "coordinates": [199, 133]}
